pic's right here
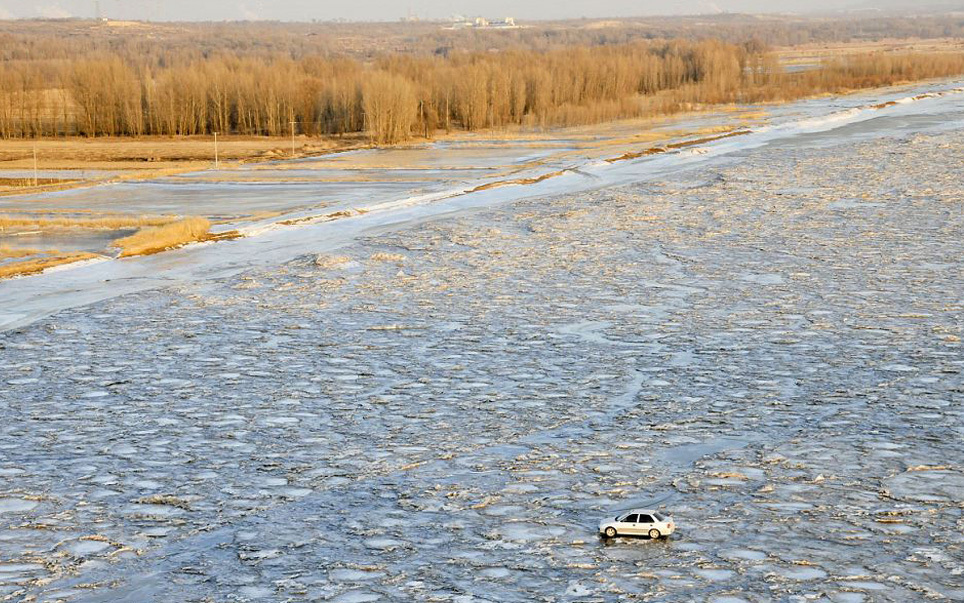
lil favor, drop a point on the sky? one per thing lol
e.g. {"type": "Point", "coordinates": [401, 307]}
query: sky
{"type": "Point", "coordinates": [390, 10]}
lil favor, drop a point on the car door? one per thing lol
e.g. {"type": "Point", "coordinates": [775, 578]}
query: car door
{"type": "Point", "coordinates": [627, 525]}
{"type": "Point", "coordinates": [645, 523]}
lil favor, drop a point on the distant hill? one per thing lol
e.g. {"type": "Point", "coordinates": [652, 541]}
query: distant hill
{"type": "Point", "coordinates": [908, 6]}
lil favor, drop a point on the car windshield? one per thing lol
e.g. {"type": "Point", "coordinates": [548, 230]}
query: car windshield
{"type": "Point", "coordinates": [660, 516]}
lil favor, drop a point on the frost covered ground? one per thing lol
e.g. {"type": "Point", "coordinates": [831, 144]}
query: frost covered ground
{"type": "Point", "coordinates": [769, 348]}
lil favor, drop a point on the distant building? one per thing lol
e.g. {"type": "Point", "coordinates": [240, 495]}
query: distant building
{"type": "Point", "coordinates": [483, 23]}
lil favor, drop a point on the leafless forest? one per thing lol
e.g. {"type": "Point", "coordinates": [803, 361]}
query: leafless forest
{"type": "Point", "coordinates": [394, 82]}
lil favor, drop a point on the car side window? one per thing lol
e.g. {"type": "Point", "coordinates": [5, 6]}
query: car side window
{"type": "Point", "coordinates": [645, 519]}
{"type": "Point", "coordinates": [630, 518]}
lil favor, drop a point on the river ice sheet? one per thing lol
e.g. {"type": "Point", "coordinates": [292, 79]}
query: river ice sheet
{"type": "Point", "coordinates": [769, 348]}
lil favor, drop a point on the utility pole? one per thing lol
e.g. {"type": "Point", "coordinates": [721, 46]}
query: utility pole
{"type": "Point", "coordinates": [216, 163]}
{"type": "Point", "coordinates": [35, 181]}
{"type": "Point", "coordinates": [293, 138]}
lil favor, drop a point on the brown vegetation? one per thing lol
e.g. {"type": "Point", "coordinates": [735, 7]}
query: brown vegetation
{"type": "Point", "coordinates": [335, 215]}
{"type": "Point", "coordinates": [7, 253]}
{"type": "Point", "coordinates": [38, 265]}
{"type": "Point", "coordinates": [518, 181]}
{"type": "Point", "coordinates": [159, 44]}
{"type": "Point", "coordinates": [91, 161]}
{"type": "Point", "coordinates": [101, 222]}
{"type": "Point", "coordinates": [678, 145]}
{"type": "Point", "coordinates": [398, 97]}
{"type": "Point", "coordinates": [869, 70]}
{"type": "Point", "coordinates": [78, 155]}
{"type": "Point", "coordinates": [258, 82]}
{"type": "Point", "coordinates": [390, 107]}
{"type": "Point", "coordinates": [391, 99]}
{"type": "Point", "coordinates": [161, 238]}
{"type": "Point", "coordinates": [28, 182]}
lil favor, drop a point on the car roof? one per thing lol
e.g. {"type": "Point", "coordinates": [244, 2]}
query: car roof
{"type": "Point", "coordinates": [646, 511]}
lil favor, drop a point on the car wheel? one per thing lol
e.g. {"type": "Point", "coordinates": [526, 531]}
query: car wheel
{"type": "Point", "coordinates": [610, 532]}
{"type": "Point", "coordinates": [654, 534]}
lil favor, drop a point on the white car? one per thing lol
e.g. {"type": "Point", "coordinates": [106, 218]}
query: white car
{"type": "Point", "coordinates": [638, 522]}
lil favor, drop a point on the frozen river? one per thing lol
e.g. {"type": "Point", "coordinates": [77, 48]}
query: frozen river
{"type": "Point", "coordinates": [439, 399]}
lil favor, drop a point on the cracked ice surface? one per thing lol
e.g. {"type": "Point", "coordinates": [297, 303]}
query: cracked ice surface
{"type": "Point", "coordinates": [770, 351]}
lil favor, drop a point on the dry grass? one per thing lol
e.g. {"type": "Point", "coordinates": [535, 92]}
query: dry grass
{"type": "Point", "coordinates": [816, 52]}
{"type": "Point", "coordinates": [28, 182]}
{"type": "Point", "coordinates": [100, 223]}
{"type": "Point", "coordinates": [754, 115]}
{"type": "Point", "coordinates": [150, 153]}
{"type": "Point", "coordinates": [161, 238]}
{"type": "Point", "coordinates": [150, 157]}
{"type": "Point", "coordinates": [677, 145]}
{"type": "Point", "coordinates": [517, 181]}
{"type": "Point", "coordinates": [8, 253]}
{"type": "Point", "coordinates": [336, 215]}
{"type": "Point", "coordinates": [38, 265]}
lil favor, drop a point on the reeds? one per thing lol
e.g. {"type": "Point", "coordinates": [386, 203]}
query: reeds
{"type": "Point", "coordinates": [9, 253]}
{"type": "Point", "coordinates": [161, 238]}
{"type": "Point", "coordinates": [99, 223]}
{"type": "Point", "coordinates": [38, 265]}
{"type": "Point", "coordinates": [29, 182]}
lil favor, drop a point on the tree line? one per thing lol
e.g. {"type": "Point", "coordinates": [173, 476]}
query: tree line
{"type": "Point", "coordinates": [391, 98]}
{"type": "Point", "coordinates": [397, 96]}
